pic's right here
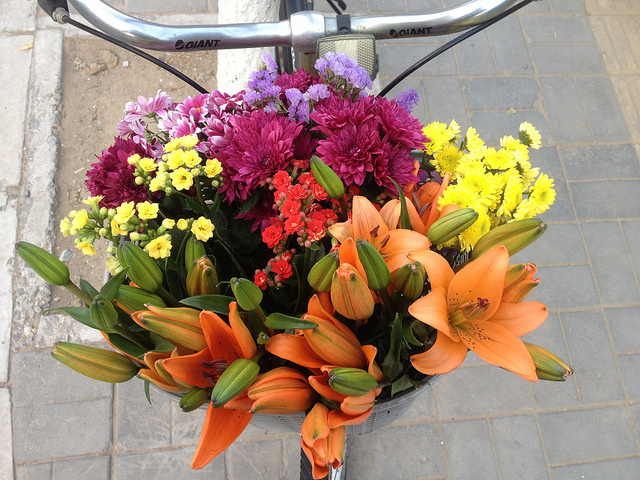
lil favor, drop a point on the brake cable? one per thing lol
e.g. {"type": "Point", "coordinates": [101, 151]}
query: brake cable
{"type": "Point", "coordinates": [450, 44]}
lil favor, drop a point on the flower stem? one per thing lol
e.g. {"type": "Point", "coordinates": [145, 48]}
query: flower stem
{"type": "Point", "coordinates": [73, 288]}
{"type": "Point", "coordinates": [343, 210]}
{"type": "Point", "coordinates": [167, 297]}
{"type": "Point", "coordinates": [132, 337]}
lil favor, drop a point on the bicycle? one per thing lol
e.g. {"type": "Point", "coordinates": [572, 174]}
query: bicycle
{"type": "Point", "coordinates": [301, 29]}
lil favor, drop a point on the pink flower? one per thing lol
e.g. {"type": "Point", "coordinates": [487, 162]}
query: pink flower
{"type": "Point", "coordinates": [398, 126]}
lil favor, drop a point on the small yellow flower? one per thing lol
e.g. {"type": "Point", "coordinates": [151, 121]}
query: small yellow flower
{"type": "Point", "coordinates": [469, 237]}
{"type": "Point", "coordinates": [175, 159]}
{"type": "Point", "coordinates": [133, 159]}
{"type": "Point", "coordinates": [447, 160]}
{"type": "Point", "coordinates": [213, 168]}
{"type": "Point", "coordinates": [94, 202]}
{"type": "Point", "coordinates": [158, 183]}
{"type": "Point", "coordinates": [113, 265]}
{"type": "Point", "coordinates": [124, 212]}
{"type": "Point", "coordinates": [159, 247]}
{"type": "Point", "coordinates": [80, 219]}
{"type": "Point", "coordinates": [65, 226]}
{"type": "Point", "coordinates": [202, 228]}
{"type": "Point", "coordinates": [182, 224]}
{"type": "Point", "coordinates": [189, 141]}
{"type": "Point", "coordinates": [116, 228]}
{"type": "Point", "coordinates": [168, 223]}
{"type": "Point", "coordinates": [499, 160]}
{"type": "Point", "coordinates": [172, 145]}
{"type": "Point", "coordinates": [86, 248]}
{"type": "Point", "coordinates": [472, 140]}
{"type": "Point", "coordinates": [529, 135]}
{"type": "Point", "coordinates": [147, 164]}
{"type": "Point", "coordinates": [512, 193]}
{"type": "Point", "coordinates": [181, 179]}
{"type": "Point", "coordinates": [191, 158]}
{"type": "Point", "coordinates": [147, 210]}
{"type": "Point", "coordinates": [440, 135]}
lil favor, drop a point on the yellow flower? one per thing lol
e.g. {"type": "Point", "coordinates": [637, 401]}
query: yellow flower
{"type": "Point", "coordinates": [512, 193]}
{"type": "Point", "coordinates": [116, 228]}
{"type": "Point", "coordinates": [159, 182]}
{"type": "Point", "coordinates": [133, 159]}
{"type": "Point", "coordinates": [182, 224]}
{"type": "Point", "coordinates": [80, 219]}
{"type": "Point", "coordinates": [181, 179]}
{"type": "Point", "coordinates": [447, 160]}
{"type": "Point", "coordinates": [172, 145]}
{"type": "Point", "coordinates": [168, 223]}
{"type": "Point", "coordinates": [124, 212]}
{"type": "Point", "coordinates": [147, 210]}
{"type": "Point", "coordinates": [482, 185]}
{"type": "Point", "coordinates": [213, 168]}
{"type": "Point", "coordinates": [159, 247]}
{"type": "Point", "coordinates": [529, 135]}
{"type": "Point", "coordinates": [500, 160]}
{"type": "Point", "coordinates": [113, 264]}
{"type": "Point", "coordinates": [174, 159]}
{"type": "Point", "coordinates": [191, 158]}
{"type": "Point", "coordinates": [93, 202]}
{"type": "Point", "coordinates": [469, 237]}
{"type": "Point", "coordinates": [147, 164]}
{"type": "Point", "coordinates": [456, 195]}
{"type": "Point", "coordinates": [202, 228]}
{"type": "Point", "coordinates": [65, 226]}
{"type": "Point", "coordinates": [189, 141]}
{"type": "Point", "coordinates": [472, 140]}
{"type": "Point", "coordinates": [86, 248]}
{"type": "Point", "coordinates": [440, 135]}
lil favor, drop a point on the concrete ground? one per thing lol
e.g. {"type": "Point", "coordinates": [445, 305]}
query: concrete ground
{"type": "Point", "coordinates": [570, 67]}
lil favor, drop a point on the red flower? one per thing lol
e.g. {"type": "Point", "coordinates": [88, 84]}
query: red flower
{"type": "Point", "coordinates": [282, 268]}
{"type": "Point", "coordinates": [260, 279]}
{"type": "Point", "coordinates": [292, 225]}
{"type": "Point", "coordinates": [272, 236]}
{"type": "Point", "coordinates": [290, 208]}
{"type": "Point", "coordinates": [315, 230]}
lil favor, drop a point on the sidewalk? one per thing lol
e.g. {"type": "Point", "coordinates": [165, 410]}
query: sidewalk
{"type": "Point", "coordinates": [569, 67]}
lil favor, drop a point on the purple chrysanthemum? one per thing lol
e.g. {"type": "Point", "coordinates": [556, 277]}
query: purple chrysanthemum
{"type": "Point", "coordinates": [395, 163]}
{"type": "Point", "coordinates": [398, 126]}
{"type": "Point", "coordinates": [335, 112]}
{"type": "Point", "coordinates": [113, 176]}
{"type": "Point", "coordinates": [261, 211]}
{"type": "Point", "coordinates": [261, 145]}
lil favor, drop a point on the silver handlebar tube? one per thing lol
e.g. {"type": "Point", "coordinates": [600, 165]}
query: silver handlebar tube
{"type": "Point", "coordinates": [300, 32]}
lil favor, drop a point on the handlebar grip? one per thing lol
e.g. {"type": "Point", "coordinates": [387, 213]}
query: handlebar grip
{"type": "Point", "coordinates": [50, 6]}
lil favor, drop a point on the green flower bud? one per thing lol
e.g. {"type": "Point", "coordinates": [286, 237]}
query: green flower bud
{"type": "Point", "coordinates": [548, 366]}
{"type": "Point", "coordinates": [410, 280]}
{"type": "Point", "coordinates": [134, 299]}
{"type": "Point", "coordinates": [320, 275]}
{"type": "Point", "coordinates": [50, 268]}
{"type": "Point", "coordinates": [327, 178]}
{"type": "Point", "coordinates": [354, 382]}
{"type": "Point", "coordinates": [247, 293]}
{"type": "Point", "coordinates": [378, 275]}
{"type": "Point", "coordinates": [103, 314]}
{"type": "Point", "coordinates": [202, 279]}
{"type": "Point", "coordinates": [96, 363]}
{"type": "Point", "coordinates": [194, 250]}
{"type": "Point", "coordinates": [234, 380]}
{"type": "Point", "coordinates": [194, 399]}
{"type": "Point", "coordinates": [514, 235]}
{"type": "Point", "coordinates": [451, 225]}
{"type": "Point", "coordinates": [143, 270]}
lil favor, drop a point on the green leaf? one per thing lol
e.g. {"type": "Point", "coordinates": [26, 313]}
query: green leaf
{"type": "Point", "coordinates": [415, 333]}
{"type": "Point", "coordinates": [110, 289]}
{"type": "Point", "coordinates": [81, 314]}
{"type": "Point", "coordinates": [87, 288]}
{"type": "Point", "coordinates": [195, 206]}
{"type": "Point", "coordinates": [280, 321]}
{"type": "Point", "coordinates": [211, 303]}
{"type": "Point", "coordinates": [400, 385]}
{"type": "Point", "coordinates": [391, 365]}
{"type": "Point", "coordinates": [405, 223]}
{"type": "Point", "coordinates": [249, 203]}
{"type": "Point", "coordinates": [160, 343]}
{"type": "Point", "coordinates": [146, 391]}
{"type": "Point", "coordinates": [126, 346]}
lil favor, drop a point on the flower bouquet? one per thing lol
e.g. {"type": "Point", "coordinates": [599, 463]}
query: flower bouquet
{"type": "Point", "coordinates": [303, 246]}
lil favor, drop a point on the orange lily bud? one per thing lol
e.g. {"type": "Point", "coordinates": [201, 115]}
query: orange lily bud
{"type": "Point", "coordinates": [519, 282]}
{"type": "Point", "coordinates": [514, 235]}
{"type": "Point", "coordinates": [177, 330]}
{"type": "Point", "coordinates": [188, 316]}
{"type": "Point", "coordinates": [202, 278]}
{"type": "Point", "coordinates": [322, 445]}
{"type": "Point", "coordinates": [548, 366]}
{"type": "Point", "coordinates": [320, 275]}
{"type": "Point", "coordinates": [410, 280]}
{"type": "Point", "coordinates": [193, 250]}
{"type": "Point", "coordinates": [281, 391]}
{"type": "Point", "coordinates": [96, 363]}
{"type": "Point", "coordinates": [350, 293]}
{"type": "Point", "coordinates": [158, 375]}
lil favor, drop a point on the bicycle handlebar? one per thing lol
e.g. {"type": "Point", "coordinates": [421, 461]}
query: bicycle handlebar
{"type": "Point", "coordinates": [300, 32]}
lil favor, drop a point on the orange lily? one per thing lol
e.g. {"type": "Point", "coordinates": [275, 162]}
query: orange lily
{"type": "Point", "coordinates": [350, 294]}
{"type": "Point", "coordinates": [158, 375]}
{"type": "Point", "coordinates": [323, 445]}
{"type": "Point", "coordinates": [468, 312]}
{"type": "Point", "coordinates": [202, 369]}
{"type": "Point", "coordinates": [429, 194]}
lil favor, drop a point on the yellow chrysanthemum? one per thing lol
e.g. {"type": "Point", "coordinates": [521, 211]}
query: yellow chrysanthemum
{"type": "Point", "coordinates": [147, 210]}
{"type": "Point", "coordinates": [529, 135]}
{"type": "Point", "coordinates": [447, 160]}
{"type": "Point", "coordinates": [498, 160]}
{"type": "Point", "coordinates": [159, 247]}
{"type": "Point", "coordinates": [86, 247]}
{"type": "Point", "coordinates": [470, 165]}
{"type": "Point", "coordinates": [455, 195]}
{"type": "Point", "coordinates": [80, 219]}
{"type": "Point", "coordinates": [213, 168]}
{"type": "Point", "coordinates": [65, 226]}
{"type": "Point", "coordinates": [191, 158]}
{"type": "Point", "coordinates": [483, 186]}
{"type": "Point", "coordinates": [202, 228]}
{"type": "Point", "coordinates": [511, 195]}
{"type": "Point", "coordinates": [469, 237]}
{"type": "Point", "coordinates": [472, 140]}
{"type": "Point", "coordinates": [181, 179]}
{"type": "Point", "coordinates": [440, 135]}
{"type": "Point", "coordinates": [542, 195]}
{"type": "Point", "coordinates": [182, 224]}
{"type": "Point", "coordinates": [147, 164]}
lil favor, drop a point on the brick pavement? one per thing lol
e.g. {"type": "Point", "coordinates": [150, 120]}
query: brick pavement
{"type": "Point", "coordinates": [568, 66]}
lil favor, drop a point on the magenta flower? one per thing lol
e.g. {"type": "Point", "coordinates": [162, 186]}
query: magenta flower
{"type": "Point", "coordinates": [113, 176]}
{"type": "Point", "coordinates": [398, 125]}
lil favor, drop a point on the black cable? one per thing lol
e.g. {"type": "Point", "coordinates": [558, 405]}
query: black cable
{"type": "Point", "coordinates": [146, 56]}
{"type": "Point", "coordinates": [449, 45]}
{"type": "Point", "coordinates": [335, 8]}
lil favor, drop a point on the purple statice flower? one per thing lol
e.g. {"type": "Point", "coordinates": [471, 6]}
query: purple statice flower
{"type": "Point", "coordinates": [262, 144]}
{"type": "Point", "coordinates": [408, 99]}
{"type": "Point", "coordinates": [261, 88]}
{"type": "Point", "coordinates": [397, 126]}
{"type": "Point", "coordinates": [300, 79]}
{"type": "Point", "coordinates": [298, 105]}
{"type": "Point", "coordinates": [113, 177]}
{"type": "Point", "coordinates": [345, 68]}
{"type": "Point", "coordinates": [317, 92]}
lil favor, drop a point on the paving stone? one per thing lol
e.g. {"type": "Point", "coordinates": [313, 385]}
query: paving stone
{"type": "Point", "coordinates": [518, 448]}
{"type": "Point", "coordinates": [500, 93]}
{"type": "Point", "coordinates": [587, 435]}
{"type": "Point", "coordinates": [425, 6]}
{"type": "Point", "coordinates": [634, 409]}
{"type": "Point", "coordinates": [509, 46]}
{"type": "Point", "coordinates": [292, 452]}
{"type": "Point", "coordinates": [553, 395]}
{"type": "Point", "coordinates": [566, 113]}
{"type": "Point", "coordinates": [602, 109]}
{"type": "Point", "coordinates": [492, 126]}
{"type": "Point", "coordinates": [422, 410]}
{"type": "Point", "coordinates": [259, 460]}
{"type": "Point", "coordinates": [445, 101]}
{"type": "Point", "coordinates": [38, 429]}
{"type": "Point", "coordinates": [631, 231]}
{"type": "Point", "coordinates": [395, 58]}
{"type": "Point", "coordinates": [464, 392]}
{"type": "Point", "coordinates": [613, 272]}
{"type": "Point", "coordinates": [375, 455]}
{"type": "Point", "coordinates": [546, 158]}
{"type": "Point", "coordinates": [469, 449]}
{"type": "Point", "coordinates": [613, 469]}
{"type": "Point", "coordinates": [166, 465]}
{"type": "Point", "coordinates": [567, 6]}
{"type": "Point", "coordinates": [594, 162]}
{"type": "Point", "coordinates": [474, 56]}
{"type": "Point", "coordinates": [186, 427]}
{"type": "Point", "coordinates": [566, 59]}
{"type": "Point", "coordinates": [620, 199]}
{"type": "Point", "coordinates": [40, 471]}
{"type": "Point", "coordinates": [36, 378]}
{"type": "Point", "coordinates": [625, 328]}
{"type": "Point", "coordinates": [569, 286]}
{"type": "Point", "coordinates": [617, 36]}
{"type": "Point", "coordinates": [94, 468]}
{"type": "Point", "coordinates": [560, 244]}
{"type": "Point", "coordinates": [6, 458]}
{"type": "Point", "coordinates": [629, 368]}
{"type": "Point", "coordinates": [627, 92]}
{"type": "Point", "coordinates": [18, 16]}
{"type": "Point", "coordinates": [538, 6]}
{"type": "Point", "coordinates": [138, 424]}
{"type": "Point", "coordinates": [557, 29]}
{"type": "Point", "coordinates": [592, 357]}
